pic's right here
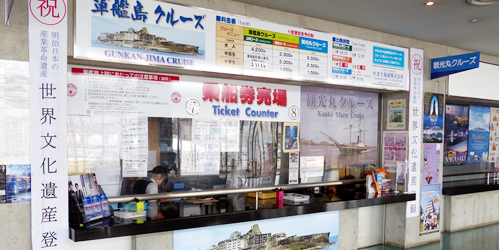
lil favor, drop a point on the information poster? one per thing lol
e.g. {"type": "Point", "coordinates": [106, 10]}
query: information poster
{"type": "Point", "coordinates": [291, 138]}
{"type": "Point", "coordinates": [394, 149]}
{"type": "Point", "coordinates": [294, 161]}
{"type": "Point", "coordinates": [311, 168]}
{"type": "Point", "coordinates": [160, 33]}
{"type": "Point", "coordinates": [18, 183]}
{"type": "Point", "coordinates": [229, 136]}
{"type": "Point", "coordinates": [134, 146]}
{"type": "Point", "coordinates": [430, 205]}
{"type": "Point", "coordinates": [201, 156]}
{"type": "Point", "coordinates": [108, 92]}
{"type": "Point", "coordinates": [342, 125]}
{"type": "Point", "coordinates": [433, 118]}
{"type": "Point", "coordinates": [309, 231]}
{"type": "Point", "coordinates": [456, 135]}
{"type": "Point", "coordinates": [478, 144]}
{"type": "Point", "coordinates": [494, 137]}
{"type": "Point", "coordinates": [396, 114]}
{"type": "Point", "coordinates": [431, 172]}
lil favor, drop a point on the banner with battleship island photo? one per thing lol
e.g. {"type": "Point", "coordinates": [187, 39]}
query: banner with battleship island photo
{"type": "Point", "coordinates": [341, 125]}
{"type": "Point", "coordinates": [309, 231]}
{"type": "Point", "coordinates": [158, 33]}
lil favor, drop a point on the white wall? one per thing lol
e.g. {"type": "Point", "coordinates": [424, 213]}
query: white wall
{"type": "Point", "coordinates": [121, 243]}
{"type": "Point", "coordinates": [480, 83]}
{"type": "Point", "coordinates": [371, 221]}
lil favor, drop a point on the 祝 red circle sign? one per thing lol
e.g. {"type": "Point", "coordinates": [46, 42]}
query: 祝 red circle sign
{"type": "Point", "coordinates": [416, 64]}
{"type": "Point", "coordinates": [48, 12]}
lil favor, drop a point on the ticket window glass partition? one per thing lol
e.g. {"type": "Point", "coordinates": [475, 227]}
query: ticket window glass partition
{"type": "Point", "coordinates": [337, 138]}
{"type": "Point", "coordinates": [201, 154]}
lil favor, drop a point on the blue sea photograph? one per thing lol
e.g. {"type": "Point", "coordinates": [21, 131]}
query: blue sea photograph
{"type": "Point", "coordinates": [18, 183]}
{"type": "Point", "coordinates": [479, 118]}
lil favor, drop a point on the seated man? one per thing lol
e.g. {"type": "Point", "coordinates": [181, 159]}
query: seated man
{"type": "Point", "coordinates": [158, 176]}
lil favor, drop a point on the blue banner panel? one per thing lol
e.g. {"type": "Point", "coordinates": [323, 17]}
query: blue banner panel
{"type": "Point", "coordinates": [444, 66]}
{"type": "Point", "coordinates": [388, 57]}
{"type": "Point", "coordinates": [313, 45]}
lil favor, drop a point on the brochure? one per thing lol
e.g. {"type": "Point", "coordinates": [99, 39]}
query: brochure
{"type": "Point", "coordinates": [18, 183]}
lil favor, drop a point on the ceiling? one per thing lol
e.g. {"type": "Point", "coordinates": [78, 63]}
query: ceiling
{"type": "Point", "coordinates": [447, 22]}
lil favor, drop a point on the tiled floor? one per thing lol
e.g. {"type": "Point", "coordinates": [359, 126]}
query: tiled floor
{"type": "Point", "coordinates": [482, 238]}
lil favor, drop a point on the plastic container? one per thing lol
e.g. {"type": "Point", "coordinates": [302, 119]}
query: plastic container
{"type": "Point", "coordinates": [129, 217]}
{"type": "Point", "coordinates": [290, 202]}
{"type": "Point", "coordinates": [296, 197]}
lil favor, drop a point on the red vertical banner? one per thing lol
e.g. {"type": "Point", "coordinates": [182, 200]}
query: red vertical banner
{"type": "Point", "coordinates": [48, 123]}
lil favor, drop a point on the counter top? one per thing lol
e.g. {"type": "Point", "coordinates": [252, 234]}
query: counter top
{"type": "Point", "coordinates": [468, 189]}
{"type": "Point", "coordinates": [109, 229]}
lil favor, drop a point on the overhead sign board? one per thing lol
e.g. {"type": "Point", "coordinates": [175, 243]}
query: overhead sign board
{"type": "Point", "coordinates": [159, 33]}
{"type": "Point", "coordinates": [94, 91]}
{"type": "Point", "coordinates": [444, 66]}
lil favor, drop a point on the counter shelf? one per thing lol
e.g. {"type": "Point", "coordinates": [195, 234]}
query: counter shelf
{"type": "Point", "coordinates": [109, 229]}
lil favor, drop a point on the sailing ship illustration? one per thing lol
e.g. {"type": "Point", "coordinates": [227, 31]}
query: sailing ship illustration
{"type": "Point", "coordinates": [351, 147]}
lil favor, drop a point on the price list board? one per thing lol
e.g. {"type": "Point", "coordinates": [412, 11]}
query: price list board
{"type": "Point", "coordinates": [262, 50]}
{"type": "Point", "coordinates": [205, 40]}
{"type": "Point", "coordinates": [230, 45]}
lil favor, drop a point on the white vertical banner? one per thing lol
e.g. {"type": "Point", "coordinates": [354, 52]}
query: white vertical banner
{"type": "Point", "coordinates": [48, 123]}
{"type": "Point", "coordinates": [416, 112]}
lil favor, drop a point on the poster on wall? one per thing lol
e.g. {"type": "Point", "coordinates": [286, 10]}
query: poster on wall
{"type": "Point", "coordinates": [315, 231]}
{"type": "Point", "coordinates": [431, 172]}
{"type": "Point", "coordinates": [18, 183]}
{"type": "Point", "coordinates": [430, 208]}
{"type": "Point", "coordinates": [291, 138]}
{"type": "Point", "coordinates": [478, 143]}
{"type": "Point", "coordinates": [494, 137]}
{"type": "Point", "coordinates": [396, 114]}
{"type": "Point", "coordinates": [3, 179]}
{"type": "Point", "coordinates": [340, 124]}
{"type": "Point", "coordinates": [433, 118]}
{"type": "Point", "coordinates": [394, 149]}
{"type": "Point", "coordinates": [159, 33]}
{"type": "Point", "coordinates": [456, 135]}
